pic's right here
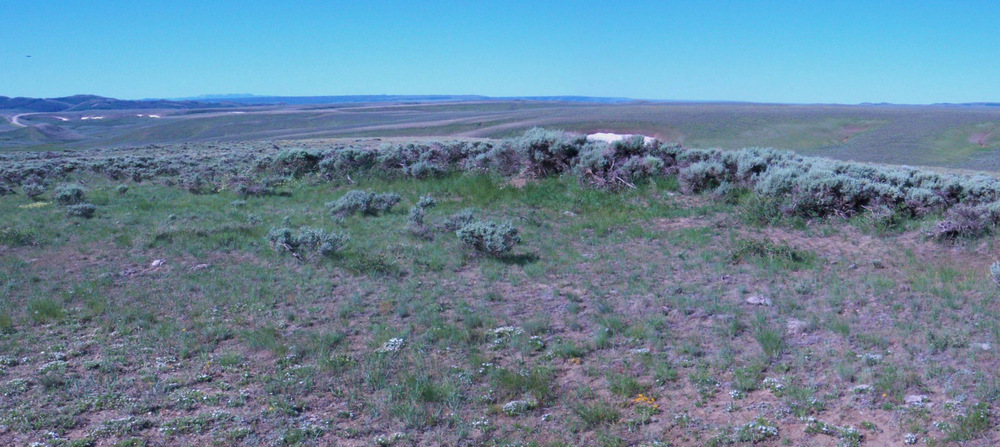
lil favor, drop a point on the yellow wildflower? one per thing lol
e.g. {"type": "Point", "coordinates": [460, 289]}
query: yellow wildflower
{"type": "Point", "coordinates": [33, 205]}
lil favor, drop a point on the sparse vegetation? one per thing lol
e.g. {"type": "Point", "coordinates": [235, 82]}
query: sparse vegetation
{"type": "Point", "coordinates": [621, 301]}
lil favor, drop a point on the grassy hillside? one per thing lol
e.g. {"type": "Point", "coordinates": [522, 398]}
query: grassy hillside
{"type": "Point", "coordinates": [658, 296]}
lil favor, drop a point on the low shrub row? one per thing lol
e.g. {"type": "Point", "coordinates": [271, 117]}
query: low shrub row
{"type": "Point", "coordinates": [793, 185]}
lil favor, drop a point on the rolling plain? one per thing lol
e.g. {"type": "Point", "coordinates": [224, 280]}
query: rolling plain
{"type": "Point", "coordinates": [454, 274]}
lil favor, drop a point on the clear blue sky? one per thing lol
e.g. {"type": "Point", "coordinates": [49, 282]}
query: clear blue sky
{"type": "Point", "coordinates": [782, 51]}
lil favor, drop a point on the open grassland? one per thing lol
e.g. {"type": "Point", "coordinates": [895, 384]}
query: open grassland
{"type": "Point", "coordinates": [949, 136]}
{"type": "Point", "coordinates": [658, 296]}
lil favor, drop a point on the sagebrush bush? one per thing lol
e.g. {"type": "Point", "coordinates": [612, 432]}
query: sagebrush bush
{"type": "Point", "coordinates": [347, 161]}
{"type": "Point", "coordinates": [308, 241]}
{"type": "Point", "coordinates": [701, 176]}
{"type": "Point", "coordinates": [295, 162]}
{"type": "Point", "coordinates": [33, 190]}
{"type": "Point", "coordinates": [248, 187]}
{"type": "Point", "coordinates": [548, 152]}
{"type": "Point", "coordinates": [489, 237]}
{"type": "Point", "coordinates": [427, 201]}
{"type": "Point", "coordinates": [418, 212]}
{"type": "Point", "coordinates": [362, 201]}
{"type": "Point", "coordinates": [964, 221]}
{"type": "Point", "coordinates": [622, 163]}
{"type": "Point", "coordinates": [457, 220]}
{"type": "Point", "coordinates": [84, 210]}
{"type": "Point", "coordinates": [196, 183]}
{"type": "Point", "coordinates": [69, 194]}
{"type": "Point", "coordinates": [324, 242]}
{"type": "Point", "coordinates": [416, 217]}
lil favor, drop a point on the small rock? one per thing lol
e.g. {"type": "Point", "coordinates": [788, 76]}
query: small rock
{"type": "Point", "coordinates": [157, 263]}
{"type": "Point", "coordinates": [984, 346]}
{"type": "Point", "coordinates": [639, 351]}
{"type": "Point", "coordinates": [759, 300]}
{"type": "Point", "coordinates": [796, 326]}
{"type": "Point", "coordinates": [393, 345]}
{"type": "Point", "coordinates": [862, 389]}
{"type": "Point", "coordinates": [697, 314]}
{"type": "Point", "coordinates": [916, 399]}
{"type": "Point", "coordinates": [200, 267]}
{"type": "Point", "coordinates": [569, 213]}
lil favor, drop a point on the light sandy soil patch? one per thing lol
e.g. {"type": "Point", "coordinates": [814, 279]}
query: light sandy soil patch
{"type": "Point", "coordinates": [608, 137]}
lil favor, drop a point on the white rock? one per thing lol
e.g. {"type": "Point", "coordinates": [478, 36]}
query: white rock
{"type": "Point", "coordinates": [795, 326]}
{"type": "Point", "coordinates": [393, 345]}
{"type": "Point", "coordinates": [916, 399]}
{"type": "Point", "coordinates": [157, 263]}
{"type": "Point", "coordinates": [759, 300]}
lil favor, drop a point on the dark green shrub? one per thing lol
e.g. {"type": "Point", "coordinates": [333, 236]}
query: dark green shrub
{"type": "Point", "coordinates": [489, 237]}
{"type": "Point", "coordinates": [69, 194]}
{"type": "Point", "coordinates": [84, 210]}
{"type": "Point", "coordinates": [365, 202]}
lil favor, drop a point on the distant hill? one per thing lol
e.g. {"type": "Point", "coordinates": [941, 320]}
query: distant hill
{"type": "Point", "coordinates": [40, 134]}
{"type": "Point", "coordinates": [78, 103]}
{"type": "Point", "coordinates": [355, 99]}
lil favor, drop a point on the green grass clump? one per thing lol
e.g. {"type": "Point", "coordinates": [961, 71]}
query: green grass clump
{"type": "Point", "coordinates": [770, 254]}
{"type": "Point", "coordinates": [971, 425]}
